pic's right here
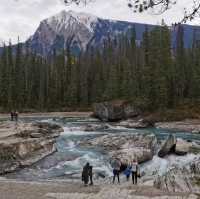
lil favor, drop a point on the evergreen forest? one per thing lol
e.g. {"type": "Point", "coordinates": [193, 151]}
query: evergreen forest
{"type": "Point", "coordinates": [153, 73]}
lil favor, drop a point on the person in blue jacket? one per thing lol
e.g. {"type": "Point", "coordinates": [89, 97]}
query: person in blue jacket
{"type": "Point", "coordinates": [128, 171]}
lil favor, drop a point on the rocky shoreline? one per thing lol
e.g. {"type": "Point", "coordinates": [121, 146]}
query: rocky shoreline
{"type": "Point", "coordinates": [23, 144]}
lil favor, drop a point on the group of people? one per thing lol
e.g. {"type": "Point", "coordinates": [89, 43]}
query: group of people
{"type": "Point", "coordinates": [14, 116]}
{"type": "Point", "coordinates": [131, 169]}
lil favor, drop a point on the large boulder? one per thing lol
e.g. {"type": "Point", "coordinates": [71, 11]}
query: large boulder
{"type": "Point", "coordinates": [168, 146]}
{"type": "Point", "coordinates": [182, 147]}
{"type": "Point", "coordinates": [125, 146]}
{"type": "Point", "coordinates": [115, 110]}
{"type": "Point", "coordinates": [27, 144]}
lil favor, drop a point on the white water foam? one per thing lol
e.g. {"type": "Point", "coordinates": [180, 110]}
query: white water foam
{"type": "Point", "coordinates": [117, 127]}
{"type": "Point", "coordinates": [77, 131]}
{"type": "Point", "coordinates": [97, 162]}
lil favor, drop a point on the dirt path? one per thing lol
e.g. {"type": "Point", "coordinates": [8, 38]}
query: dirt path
{"type": "Point", "coordinates": [63, 190]}
{"type": "Point", "coordinates": [36, 190]}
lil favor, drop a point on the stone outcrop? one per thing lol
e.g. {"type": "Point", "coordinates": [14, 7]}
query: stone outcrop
{"type": "Point", "coordinates": [27, 144]}
{"type": "Point", "coordinates": [96, 127]}
{"type": "Point", "coordinates": [178, 146]}
{"type": "Point", "coordinates": [185, 179]}
{"type": "Point", "coordinates": [168, 146]}
{"type": "Point", "coordinates": [115, 110]}
{"type": "Point", "coordinates": [185, 125]}
{"type": "Point", "coordinates": [125, 146]}
{"type": "Point", "coordinates": [182, 147]}
{"type": "Point", "coordinates": [135, 123]}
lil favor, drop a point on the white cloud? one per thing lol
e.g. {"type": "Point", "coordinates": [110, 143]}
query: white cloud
{"type": "Point", "coordinates": [22, 17]}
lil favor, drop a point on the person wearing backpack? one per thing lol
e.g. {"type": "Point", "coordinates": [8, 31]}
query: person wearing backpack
{"type": "Point", "coordinates": [128, 171]}
{"type": "Point", "coordinates": [135, 170]}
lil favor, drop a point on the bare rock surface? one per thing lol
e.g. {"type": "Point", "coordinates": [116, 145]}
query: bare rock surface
{"type": "Point", "coordinates": [181, 179]}
{"type": "Point", "coordinates": [177, 146]}
{"type": "Point", "coordinates": [182, 147]}
{"type": "Point", "coordinates": [23, 144]}
{"type": "Point", "coordinates": [167, 146]}
{"type": "Point", "coordinates": [136, 123]}
{"type": "Point", "coordinates": [185, 125]}
{"type": "Point", "coordinates": [125, 146]}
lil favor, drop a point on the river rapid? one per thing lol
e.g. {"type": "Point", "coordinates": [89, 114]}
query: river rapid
{"type": "Point", "coordinates": [67, 162]}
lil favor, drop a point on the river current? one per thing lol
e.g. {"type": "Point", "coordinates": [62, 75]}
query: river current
{"type": "Point", "coordinates": [67, 162]}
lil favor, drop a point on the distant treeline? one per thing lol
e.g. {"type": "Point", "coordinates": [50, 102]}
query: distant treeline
{"type": "Point", "coordinates": [152, 74]}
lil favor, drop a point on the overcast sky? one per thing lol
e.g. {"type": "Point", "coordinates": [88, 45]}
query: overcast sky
{"type": "Point", "coordinates": [22, 17]}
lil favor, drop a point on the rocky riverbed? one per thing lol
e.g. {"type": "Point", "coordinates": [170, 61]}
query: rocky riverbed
{"type": "Point", "coordinates": [87, 140]}
{"type": "Point", "coordinates": [23, 144]}
{"type": "Point", "coordinates": [125, 146]}
{"type": "Point", "coordinates": [189, 125]}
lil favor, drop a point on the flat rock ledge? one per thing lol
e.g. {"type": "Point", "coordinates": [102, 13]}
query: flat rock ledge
{"type": "Point", "coordinates": [24, 144]}
{"type": "Point", "coordinates": [192, 125]}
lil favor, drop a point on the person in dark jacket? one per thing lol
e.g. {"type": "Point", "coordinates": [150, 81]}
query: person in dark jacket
{"type": "Point", "coordinates": [12, 115]}
{"type": "Point", "coordinates": [16, 115]}
{"type": "Point", "coordinates": [91, 174]}
{"type": "Point", "coordinates": [85, 174]}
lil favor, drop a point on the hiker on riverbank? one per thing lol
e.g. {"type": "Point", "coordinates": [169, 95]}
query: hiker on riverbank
{"type": "Point", "coordinates": [128, 171]}
{"type": "Point", "coordinates": [116, 164]}
{"type": "Point", "coordinates": [16, 115]}
{"type": "Point", "coordinates": [87, 174]}
{"type": "Point", "coordinates": [12, 115]}
{"type": "Point", "coordinates": [135, 171]}
{"type": "Point", "coordinates": [91, 175]}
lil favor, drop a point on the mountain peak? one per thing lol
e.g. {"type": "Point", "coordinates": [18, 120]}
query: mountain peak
{"type": "Point", "coordinates": [65, 18]}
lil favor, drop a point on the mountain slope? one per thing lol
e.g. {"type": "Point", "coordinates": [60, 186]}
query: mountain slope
{"type": "Point", "coordinates": [81, 30]}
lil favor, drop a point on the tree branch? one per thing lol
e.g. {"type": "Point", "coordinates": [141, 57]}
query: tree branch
{"type": "Point", "coordinates": [159, 6]}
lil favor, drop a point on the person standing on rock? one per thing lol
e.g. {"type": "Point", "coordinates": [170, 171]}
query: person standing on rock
{"type": "Point", "coordinates": [12, 115]}
{"type": "Point", "coordinates": [16, 116]}
{"type": "Point", "coordinates": [116, 165]}
{"type": "Point", "coordinates": [85, 174]}
{"type": "Point", "coordinates": [128, 171]}
{"type": "Point", "coordinates": [135, 169]}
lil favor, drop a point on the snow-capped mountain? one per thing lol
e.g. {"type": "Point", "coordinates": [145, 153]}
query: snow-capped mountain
{"type": "Point", "coordinates": [81, 30]}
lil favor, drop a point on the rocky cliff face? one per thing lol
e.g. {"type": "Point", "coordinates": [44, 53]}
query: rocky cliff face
{"type": "Point", "coordinates": [25, 143]}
